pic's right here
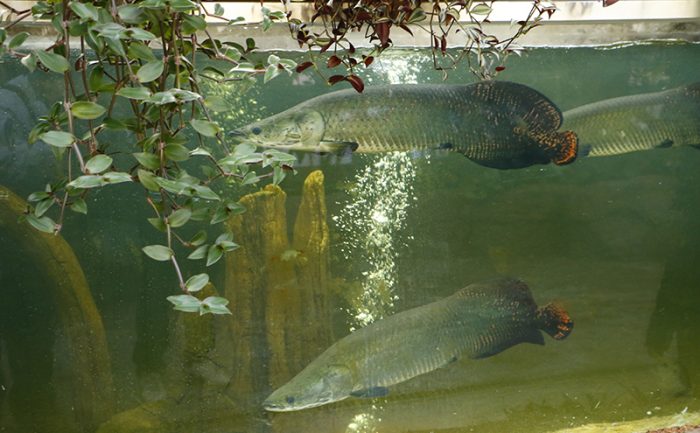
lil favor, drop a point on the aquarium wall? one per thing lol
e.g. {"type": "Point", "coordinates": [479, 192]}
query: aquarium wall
{"type": "Point", "coordinates": [348, 240]}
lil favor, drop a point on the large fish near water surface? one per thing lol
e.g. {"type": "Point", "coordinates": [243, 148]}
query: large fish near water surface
{"type": "Point", "coordinates": [638, 122]}
{"type": "Point", "coordinates": [480, 320]}
{"type": "Point", "coordinates": [493, 123]}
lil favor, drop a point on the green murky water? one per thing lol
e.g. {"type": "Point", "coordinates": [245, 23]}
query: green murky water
{"type": "Point", "coordinates": [615, 239]}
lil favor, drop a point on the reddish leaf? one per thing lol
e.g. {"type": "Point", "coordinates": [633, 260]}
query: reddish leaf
{"type": "Point", "coordinates": [336, 79]}
{"type": "Point", "coordinates": [304, 66]}
{"type": "Point", "coordinates": [405, 27]}
{"type": "Point", "coordinates": [382, 30]}
{"type": "Point", "coordinates": [609, 2]}
{"type": "Point", "coordinates": [443, 44]}
{"type": "Point", "coordinates": [500, 68]}
{"type": "Point", "coordinates": [356, 82]}
{"type": "Point", "coordinates": [351, 48]}
{"type": "Point", "coordinates": [352, 61]}
{"type": "Point", "coordinates": [334, 61]}
{"type": "Point", "coordinates": [368, 60]}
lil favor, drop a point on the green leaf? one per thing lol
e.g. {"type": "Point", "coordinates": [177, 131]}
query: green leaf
{"type": "Point", "coordinates": [17, 40]}
{"type": "Point", "coordinates": [141, 34]}
{"type": "Point", "coordinates": [86, 11]}
{"type": "Point", "coordinates": [131, 14]}
{"type": "Point", "coordinates": [43, 206]}
{"type": "Point", "coordinates": [38, 196]}
{"type": "Point", "coordinates": [199, 253]}
{"type": "Point", "coordinates": [217, 103]}
{"type": "Point", "coordinates": [138, 93]}
{"type": "Point", "coordinates": [205, 127]}
{"type": "Point", "coordinates": [214, 305]}
{"type": "Point", "coordinates": [199, 238]}
{"type": "Point", "coordinates": [214, 254]}
{"type": "Point", "coordinates": [278, 175]}
{"type": "Point", "coordinates": [179, 218]}
{"type": "Point", "coordinates": [29, 62]}
{"type": "Point", "coordinates": [162, 98]}
{"type": "Point", "coordinates": [140, 51]}
{"type": "Point", "coordinates": [271, 72]}
{"type": "Point", "coordinates": [87, 181]}
{"type": "Point", "coordinates": [98, 163]}
{"type": "Point", "coordinates": [218, 9]}
{"type": "Point", "coordinates": [200, 151]}
{"type": "Point", "coordinates": [186, 303]}
{"type": "Point", "coordinates": [481, 9]}
{"type": "Point", "coordinates": [197, 282]}
{"type": "Point", "coordinates": [182, 5]}
{"type": "Point", "coordinates": [150, 71]}
{"type": "Point", "coordinates": [148, 181]}
{"type": "Point", "coordinates": [158, 252]}
{"type": "Point", "coordinates": [114, 177]}
{"type": "Point", "coordinates": [52, 61]}
{"type": "Point", "coordinates": [205, 192]}
{"type": "Point", "coordinates": [157, 223]}
{"type": "Point", "coordinates": [57, 138]}
{"type": "Point", "coordinates": [87, 110]}
{"type": "Point", "coordinates": [79, 206]}
{"type": "Point", "coordinates": [193, 23]}
{"type": "Point", "coordinates": [43, 224]}
{"type": "Point", "coordinates": [177, 152]}
{"type": "Point", "coordinates": [148, 160]}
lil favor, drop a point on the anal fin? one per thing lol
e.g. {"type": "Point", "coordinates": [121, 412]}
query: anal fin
{"type": "Point", "coordinates": [562, 146]}
{"type": "Point", "coordinates": [374, 392]}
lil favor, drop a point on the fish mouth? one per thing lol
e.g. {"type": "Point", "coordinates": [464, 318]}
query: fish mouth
{"type": "Point", "coordinates": [237, 135]}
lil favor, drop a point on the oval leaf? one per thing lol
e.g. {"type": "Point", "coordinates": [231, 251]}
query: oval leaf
{"type": "Point", "coordinates": [17, 40]}
{"type": "Point", "coordinates": [186, 303]}
{"type": "Point", "coordinates": [197, 282]}
{"type": "Point", "coordinates": [214, 254]}
{"type": "Point", "coordinates": [137, 93]}
{"type": "Point", "coordinates": [158, 252]}
{"type": "Point", "coordinates": [88, 181]}
{"type": "Point", "coordinates": [58, 138]}
{"type": "Point", "coordinates": [43, 224]}
{"type": "Point", "coordinates": [205, 127]}
{"type": "Point", "coordinates": [180, 217]}
{"type": "Point", "coordinates": [97, 164]}
{"type": "Point", "coordinates": [150, 71]}
{"type": "Point", "coordinates": [53, 62]}
{"type": "Point", "coordinates": [87, 110]}
{"type": "Point", "coordinates": [148, 160]}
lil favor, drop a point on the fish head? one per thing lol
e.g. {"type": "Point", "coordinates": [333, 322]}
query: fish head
{"type": "Point", "coordinates": [290, 130]}
{"type": "Point", "coordinates": [311, 388]}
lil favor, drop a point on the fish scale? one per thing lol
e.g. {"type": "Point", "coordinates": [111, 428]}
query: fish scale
{"type": "Point", "coordinates": [638, 122]}
{"type": "Point", "coordinates": [493, 123]}
{"type": "Point", "coordinates": [478, 321]}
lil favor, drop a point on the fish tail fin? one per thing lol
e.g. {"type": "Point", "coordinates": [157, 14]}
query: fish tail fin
{"type": "Point", "coordinates": [555, 321]}
{"type": "Point", "coordinates": [562, 146]}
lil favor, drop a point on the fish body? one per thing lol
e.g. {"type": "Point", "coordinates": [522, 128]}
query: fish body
{"type": "Point", "coordinates": [496, 124]}
{"type": "Point", "coordinates": [638, 122]}
{"type": "Point", "coordinates": [478, 321]}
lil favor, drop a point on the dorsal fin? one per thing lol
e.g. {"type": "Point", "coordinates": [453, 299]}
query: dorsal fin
{"type": "Point", "coordinates": [535, 109]}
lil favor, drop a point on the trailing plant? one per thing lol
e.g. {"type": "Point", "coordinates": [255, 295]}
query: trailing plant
{"type": "Point", "coordinates": [145, 58]}
{"type": "Point", "coordinates": [377, 20]}
{"type": "Point", "coordinates": [135, 70]}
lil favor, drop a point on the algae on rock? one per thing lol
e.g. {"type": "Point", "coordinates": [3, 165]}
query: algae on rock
{"type": "Point", "coordinates": [79, 321]}
{"type": "Point", "coordinates": [285, 285]}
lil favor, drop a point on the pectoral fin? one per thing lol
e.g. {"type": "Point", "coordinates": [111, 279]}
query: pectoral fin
{"type": "Point", "coordinates": [337, 147]}
{"type": "Point", "coordinates": [374, 392]}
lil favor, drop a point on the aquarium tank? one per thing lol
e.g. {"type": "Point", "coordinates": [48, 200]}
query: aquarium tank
{"type": "Point", "coordinates": [349, 216]}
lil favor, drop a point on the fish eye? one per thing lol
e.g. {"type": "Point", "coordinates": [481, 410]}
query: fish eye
{"type": "Point", "coordinates": [290, 399]}
{"type": "Point", "coordinates": [255, 130]}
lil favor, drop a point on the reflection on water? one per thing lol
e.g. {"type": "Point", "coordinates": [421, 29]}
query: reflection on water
{"type": "Point", "coordinates": [612, 238]}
